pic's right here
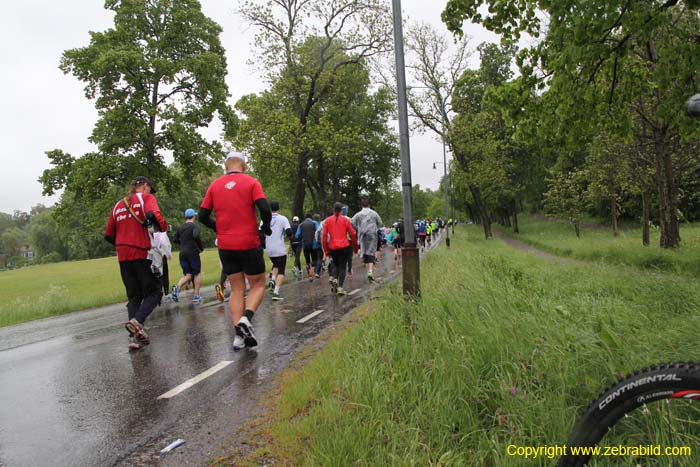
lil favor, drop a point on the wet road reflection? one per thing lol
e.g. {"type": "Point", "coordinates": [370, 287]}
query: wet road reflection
{"type": "Point", "coordinates": [73, 395]}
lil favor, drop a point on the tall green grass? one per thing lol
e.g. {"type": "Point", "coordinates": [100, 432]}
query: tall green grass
{"type": "Point", "coordinates": [53, 289]}
{"type": "Point", "coordinates": [504, 349]}
{"type": "Point", "coordinates": [600, 245]}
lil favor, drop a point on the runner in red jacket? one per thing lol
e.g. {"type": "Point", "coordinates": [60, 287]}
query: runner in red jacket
{"type": "Point", "coordinates": [127, 228]}
{"type": "Point", "coordinates": [336, 244]}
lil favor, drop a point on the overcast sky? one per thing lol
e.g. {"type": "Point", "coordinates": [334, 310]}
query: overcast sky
{"type": "Point", "coordinates": [43, 109]}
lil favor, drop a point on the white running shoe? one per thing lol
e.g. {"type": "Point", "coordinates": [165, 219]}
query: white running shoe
{"type": "Point", "coordinates": [238, 341]}
{"type": "Point", "coordinates": [248, 332]}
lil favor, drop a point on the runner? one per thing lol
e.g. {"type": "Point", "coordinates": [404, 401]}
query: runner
{"type": "Point", "coordinates": [317, 250]}
{"type": "Point", "coordinates": [277, 248]}
{"type": "Point", "coordinates": [296, 246]}
{"type": "Point", "coordinates": [337, 228]}
{"type": "Point", "coordinates": [161, 242]}
{"type": "Point", "coordinates": [319, 239]}
{"type": "Point", "coordinates": [233, 198]}
{"type": "Point", "coordinates": [220, 286]}
{"type": "Point", "coordinates": [381, 240]}
{"type": "Point", "coordinates": [367, 223]}
{"type": "Point", "coordinates": [421, 233]}
{"type": "Point", "coordinates": [345, 213]}
{"type": "Point", "coordinates": [428, 231]}
{"type": "Point", "coordinates": [127, 230]}
{"type": "Point", "coordinates": [187, 236]}
{"type": "Point", "coordinates": [397, 238]}
{"type": "Point", "coordinates": [306, 232]}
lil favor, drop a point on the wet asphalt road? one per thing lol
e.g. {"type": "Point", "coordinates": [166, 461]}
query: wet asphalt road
{"type": "Point", "coordinates": [72, 395]}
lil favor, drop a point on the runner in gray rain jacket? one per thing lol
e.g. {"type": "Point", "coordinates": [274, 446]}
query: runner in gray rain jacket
{"type": "Point", "coordinates": [366, 223]}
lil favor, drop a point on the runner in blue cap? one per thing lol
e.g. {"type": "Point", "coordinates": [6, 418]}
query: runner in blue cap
{"type": "Point", "coordinates": [190, 247]}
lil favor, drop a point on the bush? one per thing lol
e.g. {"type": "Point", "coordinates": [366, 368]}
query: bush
{"type": "Point", "coordinates": [53, 257]}
{"type": "Point", "coordinates": [17, 262]}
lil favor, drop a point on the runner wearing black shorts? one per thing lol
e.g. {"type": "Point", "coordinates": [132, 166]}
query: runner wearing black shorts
{"type": "Point", "coordinates": [233, 198]}
{"type": "Point", "coordinates": [249, 262]}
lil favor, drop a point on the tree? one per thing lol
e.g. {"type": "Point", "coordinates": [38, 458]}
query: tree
{"type": "Point", "coordinates": [481, 140]}
{"type": "Point", "coordinates": [157, 78]}
{"type": "Point", "coordinates": [344, 33]}
{"type": "Point", "coordinates": [45, 237]}
{"type": "Point", "coordinates": [349, 148]}
{"type": "Point", "coordinates": [567, 197]}
{"type": "Point", "coordinates": [12, 240]}
{"type": "Point", "coordinates": [614, 60]}
{"type": "Point", "coordinates": [435, 70]}
{"type": "Point", "coordinates": [423, 200]}
{"type": "Point", "coordinates": [390, 206]}
{"type": "Point", "coordinates": [6, 221]}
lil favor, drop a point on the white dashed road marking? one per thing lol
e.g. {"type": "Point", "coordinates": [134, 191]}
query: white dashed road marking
{"type": "Point", "coordinates": [192, 381]}
{"type": "Point", "coordinates": [309, 316]}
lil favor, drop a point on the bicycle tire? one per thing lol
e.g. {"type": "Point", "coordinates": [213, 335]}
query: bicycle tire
{"type": "Point", "coordinates": [667, 381]}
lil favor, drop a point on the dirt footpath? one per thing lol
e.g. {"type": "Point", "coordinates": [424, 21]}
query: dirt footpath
{"type": "Point", "coordinates": [528, 248]}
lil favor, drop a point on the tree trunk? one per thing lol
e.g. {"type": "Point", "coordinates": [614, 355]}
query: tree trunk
{"type": "Point", "coordinates": [472, 216]}
{"type": "Point", "coordinates": [668, 220]}
{"type": "Point", "coordinates": [613, 200]}
{"type": "Point", "coordinates": [645, 218]}
{"type": "Point", "coordinates": [481, 209]}
{"type": "Point", "coordinates": [506, 217]}
{"type": "Point", "coordinates": [151, 144]}
{"type": "Point", "coordinates": [322, 187]}
{"type": "Point", "coordinates": [300, 186]}
{"type": "Point", "coordinates": [514, 208]}
{"type": "Point", "coordinates": [577, 228]}
{"type": "Point", "coordinates": [314, 197]}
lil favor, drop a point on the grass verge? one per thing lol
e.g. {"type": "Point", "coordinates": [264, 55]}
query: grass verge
{"type": "Point", "coordinates": [504, 349]}
{"type": "Point", "coordinates": [558, 237]}
{"type": "Point", "coordinates": [53, 289]}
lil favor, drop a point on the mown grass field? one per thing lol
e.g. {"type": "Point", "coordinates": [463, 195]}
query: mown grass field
{"type": "Point", "coordinates": [504, 349]}
{"type": "Point", "coordinates": [558, 237]}
{"type": "Point", "coordinates": [52, 289]}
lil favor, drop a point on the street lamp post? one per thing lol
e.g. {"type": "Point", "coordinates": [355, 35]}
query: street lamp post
{"type": "Point", "coordinates": [446, 181]}
{"type": "Point", "coordinates": [444, 156]}
{"type": "Point", "coordinates": [410, 261]}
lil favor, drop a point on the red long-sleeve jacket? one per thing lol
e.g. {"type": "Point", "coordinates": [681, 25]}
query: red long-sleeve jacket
{"type": "Point", "coordinates": [335, 234]}
{"type": "Point", "coordinates": [131, 237]}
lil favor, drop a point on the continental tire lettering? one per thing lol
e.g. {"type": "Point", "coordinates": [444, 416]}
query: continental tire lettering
{"type": "Point", "coordinates": [636, 383]}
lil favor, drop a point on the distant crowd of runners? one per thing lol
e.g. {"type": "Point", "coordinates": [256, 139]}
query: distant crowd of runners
{"type": "Point", "coordinates": [138, 230]}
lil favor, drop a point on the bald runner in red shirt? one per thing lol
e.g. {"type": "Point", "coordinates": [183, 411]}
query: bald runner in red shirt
{"type": "Point", "coordinates": [233, 198]}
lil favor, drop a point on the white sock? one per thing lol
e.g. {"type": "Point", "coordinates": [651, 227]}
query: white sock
{"type": "Point", "coordinates": [277, 289]}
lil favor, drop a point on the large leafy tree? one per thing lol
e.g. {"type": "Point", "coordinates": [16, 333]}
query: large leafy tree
{"type": "Point", "coordinates": [628, 65]}
{"type": "Point", "coordinates": [349, 149]}
{"type": "Point", "coordinates": [157, 78]}
{"type": "Point", "coordinates": [341, 34]}
{"type": "Point", "coordinates": [482, 141]}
